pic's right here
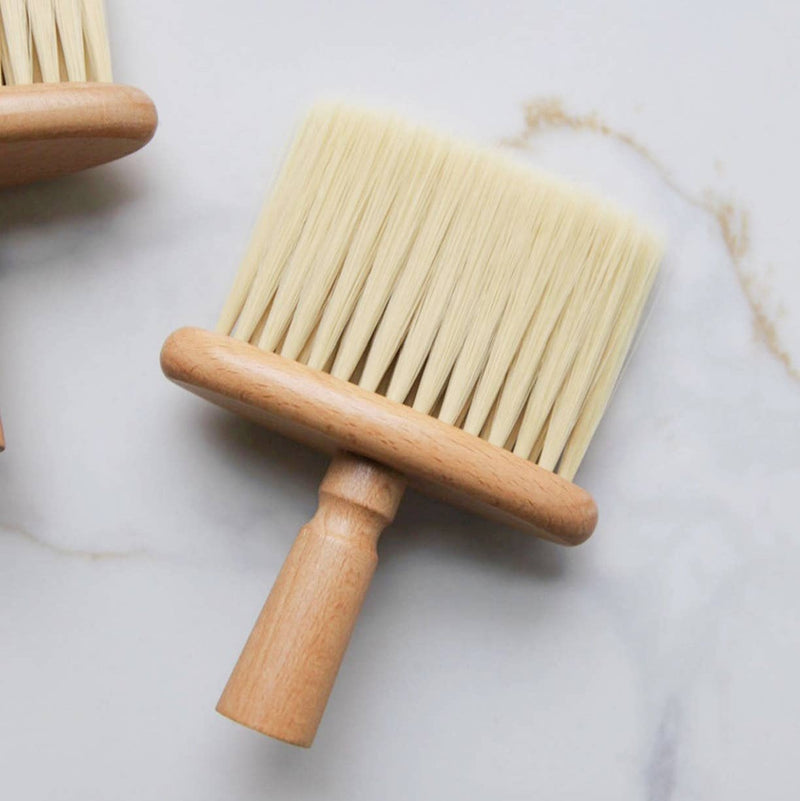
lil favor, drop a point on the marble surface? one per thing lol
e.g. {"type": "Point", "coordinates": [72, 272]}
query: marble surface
{"type": "Point", "coordinates": [140, 529]}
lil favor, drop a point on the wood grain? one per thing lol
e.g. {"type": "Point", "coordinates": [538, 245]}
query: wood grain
{"type": "Point", "coordinates": [283, 678]}
{"type": "Point", "coordinates": [47, 130]}
{"type": "Point", "coordinates": [334, 415]}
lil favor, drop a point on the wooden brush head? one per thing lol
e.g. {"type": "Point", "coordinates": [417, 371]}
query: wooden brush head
{"type": "Point", "coordinates": [59, 110]}
{"type": "Point", "coordinates": [332, 415]}
{"type": "Point", "coordinates": [428, 312]}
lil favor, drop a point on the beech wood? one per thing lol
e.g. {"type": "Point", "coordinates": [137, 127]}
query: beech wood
{"type": "Point", "coordinates": [47, 130]}
{"type": "Point", "coordinates": [334, 415]}
{"type": "Point", "coordinates": [283, 678]}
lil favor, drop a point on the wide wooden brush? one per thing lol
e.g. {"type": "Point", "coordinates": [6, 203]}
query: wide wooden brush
{"type": "Point", "coordinates": [59, 110]}
{"type": "Point", "coordinates": [429, 313]}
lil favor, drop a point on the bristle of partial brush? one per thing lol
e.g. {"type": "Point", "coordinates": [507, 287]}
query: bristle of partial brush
{"type": "Point", "coordinates": [448, 278]}
{"type": "Point", "coordinates": [50, 41]}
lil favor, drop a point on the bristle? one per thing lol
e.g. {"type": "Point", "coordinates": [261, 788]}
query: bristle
{"type": "Point", "coordinates": [560, 254]}
{"type": "Point", "coordinates": [360, 293]}
{"type": "Point", "coordinates": [603, 310]}
{"type": "Point", "coordinates": [317, 152]}
{"type": "Point", "coordinates": [394, 288]}
{"type": "Point", "coordinates": [16, 45]}
{"type": "Point", "coordinates": [335, 214]}
{"type": "Point", "coordinates": [42, 20]}
{"type": "Point", "coordinates": [588, 300]}
{"type": "Point", "coordinates": [447, 278]}
{"type": "Point", "coordinates": [507, 273]}
{"type": "Point", "coordinates": [70, 32]}
{"type": "Point", "coordinates": [616, 351]}
{"type": "Point", "coordinates": [95, 33]}
{"type": "Point", "coordinates": [274, 239]}
{"type": "Point", "coordinates": [47, 41]}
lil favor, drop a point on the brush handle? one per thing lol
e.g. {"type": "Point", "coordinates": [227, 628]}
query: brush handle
{"type": "Point", "coordinates": [283, 678]}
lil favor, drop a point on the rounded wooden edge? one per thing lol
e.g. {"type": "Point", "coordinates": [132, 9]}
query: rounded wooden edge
{"type": "Point", "coordinates": [56, 110]}
{"type": "Point", "coordinates": [234, 715]}
{"type": "Point", "coordinates": [47, 130]}
{"type": "Point", "coordinates": [331, 414]}
{"type": "Point", "coordinates": [224, 708]}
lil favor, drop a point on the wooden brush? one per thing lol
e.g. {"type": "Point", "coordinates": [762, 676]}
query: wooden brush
{"type": "Point", "coordinates": [429, 313]}
{"type": "Point", "coordinates": [59, 110]}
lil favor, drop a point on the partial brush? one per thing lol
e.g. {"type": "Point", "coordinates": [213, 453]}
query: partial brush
{"type": "Point", "coordinates": [59, 110]}
{"type": "Point", "coordinates": [427, 312]}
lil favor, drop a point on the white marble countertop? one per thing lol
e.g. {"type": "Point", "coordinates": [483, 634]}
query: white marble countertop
{"type": "Point", "coordinates": [140, 528]}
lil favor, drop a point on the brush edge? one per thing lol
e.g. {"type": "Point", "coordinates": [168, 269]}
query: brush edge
{"type": "Point", "coordinates": [49, 130]}
{"type": "Point", "coordinates": [56, 110]}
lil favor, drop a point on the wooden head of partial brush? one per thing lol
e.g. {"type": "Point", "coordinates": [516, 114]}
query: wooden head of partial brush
{"type": "Point", "coordinates": [59, 110]}
{"type": "Point", "coordinates": [430, 314]}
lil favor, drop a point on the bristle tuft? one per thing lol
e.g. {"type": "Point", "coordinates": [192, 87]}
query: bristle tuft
{"type": "Point", "coordinates": [448, 278]}
{"type": "Point", "coordinates": [98, 48]}
{"type": "Point", "coordinates": [49, 41]}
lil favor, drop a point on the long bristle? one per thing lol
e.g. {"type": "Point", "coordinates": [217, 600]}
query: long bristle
{"type": "Point", "coordinates": [49, 41]}
{"type": "Point", "coordinates": [447, 278]}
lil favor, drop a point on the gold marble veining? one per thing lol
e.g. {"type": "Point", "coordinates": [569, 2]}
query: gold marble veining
{"type": "Point", "coordinates": [733, 221]}
{"type": "Point", "coordinates": [74, 553]}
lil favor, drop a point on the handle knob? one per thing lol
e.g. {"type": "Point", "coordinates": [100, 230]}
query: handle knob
{"type": "Point", "coordinates": [283, 678]}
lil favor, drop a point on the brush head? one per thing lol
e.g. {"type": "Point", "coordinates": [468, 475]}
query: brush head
{"type": "Point", "coordinates": [59, 111]}
{"type": "Point", "coordinates": [447, 278]}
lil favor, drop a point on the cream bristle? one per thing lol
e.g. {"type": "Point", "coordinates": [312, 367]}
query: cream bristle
{"type": "Point", "coordinates": [70, 31]}
{"type": "Point", "coordinates": [358, 283]}
{"type": "Point", "coordinates": [606, 307]}
{"type": "Point", "coordinates": [447, 278]}
{"type": "Point", "coordinates": [574, 327]}
{"type": "Point", "coordinates": [16, 45]}
{"type": "Point", "coordinates": [463, 250]}
{"type": "Point", "coordinates": [276, 230]}
{"type": "Point", "coordinates": [391, 296]}
{"type": "Point", "coordinates": [339, 227]}
{"type": "Point", "coordinates": [529, 324]}
{"type": "Point", "coordinates": [284, 219]}
{"type": "Point", "coordinates": [48, 41]}
{"type": "Point", "coordinates": [623, 331]}
{"type": "Point", "coordinates": [45, 39]}
{"type": "Point", "coordinates": [504, 275]}
{"type": "Point", "coordinates": [98, 49]}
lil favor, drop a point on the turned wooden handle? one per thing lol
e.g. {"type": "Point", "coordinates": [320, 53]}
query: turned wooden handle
{"type": "Point", "coordinates": [283, 678]}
